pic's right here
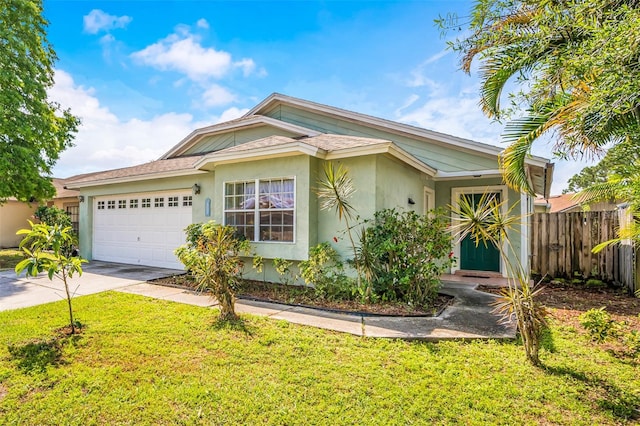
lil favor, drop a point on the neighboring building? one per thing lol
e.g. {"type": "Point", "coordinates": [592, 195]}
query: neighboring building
{"type": "Point", "coordinates": [568, 203]}
{"type": "Point", "coordinates": [14, 214]}
{"type": "Point", "coordinates": [278, 149]}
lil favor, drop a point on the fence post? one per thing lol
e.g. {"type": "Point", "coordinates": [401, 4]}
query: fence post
{"type": "Point", "coordinates": [628, 255]}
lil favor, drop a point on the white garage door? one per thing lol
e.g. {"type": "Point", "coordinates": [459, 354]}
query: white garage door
{"type": "Point", "coordinates": [141, 229]}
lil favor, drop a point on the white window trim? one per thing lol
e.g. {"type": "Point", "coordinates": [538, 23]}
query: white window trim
{"type": "Point", "coordinates": [429, 199]}
{"type": "Point", "coordinates": [256, 231]}
{"type": "Point", "coordinates": [455, 196]}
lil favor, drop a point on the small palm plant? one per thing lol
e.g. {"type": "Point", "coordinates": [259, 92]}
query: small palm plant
{"type": "Point", "coordinates": [48, 248]}
{"type": "Point", "coordinates": [334, 192]}
{"type": "Point", "coordinates": [487, 222]}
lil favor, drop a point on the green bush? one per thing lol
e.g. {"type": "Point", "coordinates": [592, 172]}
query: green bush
{"type": "Point", "coordinates": [212, 256]}
{"type": "Point", "coordinates": [52, 216]}
{"type": "Point", "coordinates": [324, 271]}
{"type": "Point", "coordinates": [403, 255]}
{"type": "Point", "coordinates": [602, 327]}
{"type": "Point", "coordinates": [599, 324]}
{"type": "Point", "coordinates": [283, 268]}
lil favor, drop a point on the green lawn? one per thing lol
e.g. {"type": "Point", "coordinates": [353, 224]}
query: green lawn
{"type": "Point", "coordinates": [145, 361]}
{"type": "Point", "coordinates": [9, 258]}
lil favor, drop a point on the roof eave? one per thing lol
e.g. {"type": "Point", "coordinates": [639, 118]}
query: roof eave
{"type": "Point", "coordinates": [210, 161]}
{"type": "Point", "coordinates": [136, 178]}
{"type": "Point", "coordinates": [465, 174]}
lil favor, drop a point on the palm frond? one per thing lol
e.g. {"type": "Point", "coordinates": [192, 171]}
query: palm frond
{"type": "Point", "coordinates": [335, 190]}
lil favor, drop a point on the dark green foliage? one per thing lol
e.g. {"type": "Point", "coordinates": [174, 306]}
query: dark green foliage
{"type": "Point", "coordinates": [570, 69]}
{"type": "Point", "coordinates": [33, 130]}
{"type": "Point", "coordinates": [52, 216]}
{"type": "Point", "coordinates": [324, 270]}
{"type": "Point", "coordinates": [404, 254]}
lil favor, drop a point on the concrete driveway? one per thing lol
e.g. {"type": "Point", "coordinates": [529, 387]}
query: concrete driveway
{"type": "Point", "coordinates": [20, 292]}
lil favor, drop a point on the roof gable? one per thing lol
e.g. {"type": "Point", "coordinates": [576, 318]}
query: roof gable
{"type": "Point", "coordinates": [234, 132]}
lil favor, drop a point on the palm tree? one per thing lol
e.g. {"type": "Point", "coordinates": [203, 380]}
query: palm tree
{"type": "Point", "coordinates": [487, 222]}
{"type": "Point", "coordinates": [573, 63]}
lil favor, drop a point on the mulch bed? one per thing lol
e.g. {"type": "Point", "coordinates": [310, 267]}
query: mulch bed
{"type": "Point", "coordinates": [303, 296]}
{"type": "Point", "coordinates": [567, 302]}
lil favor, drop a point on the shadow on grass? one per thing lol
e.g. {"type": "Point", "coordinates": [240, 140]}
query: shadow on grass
{"type": "Point", "coordinates": [622, 404]}
{"type": "Point", "coordinates": [235, 324]}
{"type": "Point", "coordinates": [35, 356]}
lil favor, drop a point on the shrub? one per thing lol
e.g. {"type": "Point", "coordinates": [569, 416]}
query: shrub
{"type": "Point", "coordinates": [52, 216]}
{"type": "Point", "coordinates": [403, 255]}
{"type": "Point", "coordinates": [212, 256]}
{"type": "Point", "coordinates": [599, 324]}
{"type": "Point", "coordinates": [324, 271]}
{"type": "Point", "coordinates": [283, 268]}
{"type": "Point", "coordinates": [601, 327]}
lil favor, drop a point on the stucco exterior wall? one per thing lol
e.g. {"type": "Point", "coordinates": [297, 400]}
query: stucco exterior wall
{"type": "Point", "coordinates": [362, 171]}
{"type": "Point", "coordinates": [396, 183]}
{"type": "Point", "coordinates": [14, 216]}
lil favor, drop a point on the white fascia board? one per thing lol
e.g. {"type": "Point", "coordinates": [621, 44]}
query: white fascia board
{"type": "Point", "coordinates": [208, 162]}
{"type": "Point", "coordinates": [137, 178]}
{"type": "Point", "coordinates": [490, 173]}
{"type": "Point", "coordinates": [220, 128]}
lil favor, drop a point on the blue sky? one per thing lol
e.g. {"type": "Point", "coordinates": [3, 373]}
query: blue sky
{"type": "Point", "coordinates": [143, 74]}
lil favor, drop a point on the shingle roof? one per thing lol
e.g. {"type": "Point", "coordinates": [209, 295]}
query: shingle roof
{"type": "Point", "coordinates": [151, 168]}
{"type": "Point", "coordinates": [61, 191]}
{"type": "Point", "coordinates": [325, 141]}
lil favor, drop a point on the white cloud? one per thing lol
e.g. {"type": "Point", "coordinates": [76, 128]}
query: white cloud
{"type": "Point", "coordinates": [104, 141]}
{"type": "Point", "coordinates": [231, 114]}
{"type": "Point", "coordinates": [418, 75]}
{"type": "Point", "coordinates": [246, 65]}
{"type": "Point", "coordinates": [184, 53]}
{"type": "Point", "coordinates": [202, 23]}
{"type": "Point", "coordinates": [97, 21]}
{"type": "Point", "coordinates": [217, 95]}
{"type": "Point", "coordinates": [459, 116]}
{"type": "Point", "coordinates": [413, 98]}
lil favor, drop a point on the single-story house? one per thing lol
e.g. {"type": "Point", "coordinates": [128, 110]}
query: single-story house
{"type": "Point", "coordinates": [14, 214]}
{"type": "Point", "coordinates": [137, 215]}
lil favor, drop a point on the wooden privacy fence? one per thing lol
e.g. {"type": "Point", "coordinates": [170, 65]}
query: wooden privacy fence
{"type": "Point", "coordinates": [561, 245]}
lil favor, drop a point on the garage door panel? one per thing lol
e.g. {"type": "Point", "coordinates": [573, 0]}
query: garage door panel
{"type": "Point", "coordinates": [145, 236]}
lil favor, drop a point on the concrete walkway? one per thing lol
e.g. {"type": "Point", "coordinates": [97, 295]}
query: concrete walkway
{"type": "Point", "coordinates": [469, 317]}
{"type": "Point", "coordinates": [22, 292]}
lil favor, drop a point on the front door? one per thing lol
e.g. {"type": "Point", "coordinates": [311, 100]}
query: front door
{"type": "Point", "coordinates": [483, 257]}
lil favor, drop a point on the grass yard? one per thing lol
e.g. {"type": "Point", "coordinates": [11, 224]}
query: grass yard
{"type": "Point", "coordinates": [9, 258]}
{"type": "Point", "coordinates": [143, 361]}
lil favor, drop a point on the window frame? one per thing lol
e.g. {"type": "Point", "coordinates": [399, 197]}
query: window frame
{"type": "Point", "coordinates": [257, 210]}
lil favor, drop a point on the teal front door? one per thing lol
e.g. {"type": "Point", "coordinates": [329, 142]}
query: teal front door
{"type": "Point", "coordinates": [481, 257]}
